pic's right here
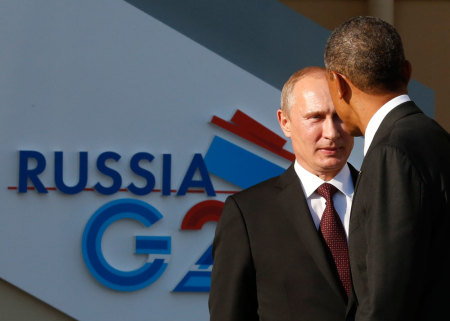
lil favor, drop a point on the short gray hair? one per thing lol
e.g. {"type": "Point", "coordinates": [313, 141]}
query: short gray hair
{"type": "Point", "coordinates": [286, 92]}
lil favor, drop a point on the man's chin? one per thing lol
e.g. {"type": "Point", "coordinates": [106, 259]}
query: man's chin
{"type": "Point", "coordinates": [334, 164]}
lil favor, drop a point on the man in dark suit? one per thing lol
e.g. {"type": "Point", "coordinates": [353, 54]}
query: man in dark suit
{"type": "Point", "coordinates": [272, 257]}
{"type": "Point", "coordinates": [399, 238]}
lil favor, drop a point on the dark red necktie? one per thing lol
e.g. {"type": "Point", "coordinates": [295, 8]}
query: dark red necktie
{"type": "Point", "coordinates": [334, 234]}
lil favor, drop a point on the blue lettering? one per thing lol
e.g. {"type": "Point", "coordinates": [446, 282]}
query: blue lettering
{"type": "Point", "coordinates": [188, 181]}
{"type": "Point", "coordinates": [155, 245]}
{"type": "Point", "coordinates": [134, 165]}
{"type": "Point", "coordinates": [103, 165]}
{"type": "Point", "coordinates": [25, 173]}
{"type": "Point", "coordinates": [83, 174]}
{"type": "Point", "coordinates": [167, 174]}
{"type": "Point", "coordinates": [115, 176]}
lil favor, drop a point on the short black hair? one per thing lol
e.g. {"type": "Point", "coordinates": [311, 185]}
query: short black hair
{"type": "Point", "coordinates": [369, 51]}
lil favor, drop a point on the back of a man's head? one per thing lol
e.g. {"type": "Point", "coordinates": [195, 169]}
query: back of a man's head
{"type": "Point", "coordinates": [369, 52]}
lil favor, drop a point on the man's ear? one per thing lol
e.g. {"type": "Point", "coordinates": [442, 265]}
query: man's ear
{"type": "Point", "coordinates": [341, 84]}
{"type": "Point", "coordinates": [284, 121]}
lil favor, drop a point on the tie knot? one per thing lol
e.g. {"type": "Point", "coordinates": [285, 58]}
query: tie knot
{"type": "Point", "coordinates": [326, 190]}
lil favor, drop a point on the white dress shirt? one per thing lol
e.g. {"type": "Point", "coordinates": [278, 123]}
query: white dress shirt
{"type": "Point", "coordinates": [342, 200]}
{"type": "Point", "coordinates": [378, 117]}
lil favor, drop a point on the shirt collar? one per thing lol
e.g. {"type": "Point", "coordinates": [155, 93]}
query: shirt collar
{"type": "Point", "coordinates": [378, 117]}
{"type": "Point", "coordinates": [310, 182]}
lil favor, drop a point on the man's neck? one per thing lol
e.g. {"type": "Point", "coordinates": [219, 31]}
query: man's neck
{"type": "Point", "coordinates": [368, 104]}
{"type": "Point", "coordinates": [378, 117]}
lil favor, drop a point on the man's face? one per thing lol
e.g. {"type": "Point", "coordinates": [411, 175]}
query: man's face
{"type": "Point", "coordinates": [345, 112]}
{"type": "Point", "coordinates": [320, 143]}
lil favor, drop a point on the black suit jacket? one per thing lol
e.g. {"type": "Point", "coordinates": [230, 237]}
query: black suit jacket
{"type": "Point", "coordinates": [270, 263]}
{"type": "Point", "coordinates": [399, 239]}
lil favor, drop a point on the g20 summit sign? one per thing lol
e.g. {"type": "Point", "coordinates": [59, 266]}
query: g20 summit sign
{"type": "Point", "coordinates": [225, 159]}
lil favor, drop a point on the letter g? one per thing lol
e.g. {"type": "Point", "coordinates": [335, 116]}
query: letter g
{"type": "Point", "coordinates": [92, 251]}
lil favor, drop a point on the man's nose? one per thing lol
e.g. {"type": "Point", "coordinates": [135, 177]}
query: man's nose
{"type": "Point", "coordinates": [330, 129]}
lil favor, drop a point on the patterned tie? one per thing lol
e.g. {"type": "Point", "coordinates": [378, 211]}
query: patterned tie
{"type": "Point", "coordinates": [334, 234]}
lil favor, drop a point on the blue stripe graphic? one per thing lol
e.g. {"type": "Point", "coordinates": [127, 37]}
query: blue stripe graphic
{"type": "Point", "coordinates": [237, 165]}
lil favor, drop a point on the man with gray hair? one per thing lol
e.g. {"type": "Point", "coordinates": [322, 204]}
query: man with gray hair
{"type": "Point", "coordinates": [399, 240]}
{"type": "Point", "coordinates": [280, 249]}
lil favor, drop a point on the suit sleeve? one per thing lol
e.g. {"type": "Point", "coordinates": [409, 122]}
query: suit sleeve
{"type": "Point", "coordinates": [233, 285]}
{"type": "Point", "coordinates": [398, 235]}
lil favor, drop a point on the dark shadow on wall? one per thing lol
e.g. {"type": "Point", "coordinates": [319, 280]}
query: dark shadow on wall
{"type": "Point", "coordinates": [263, 37]}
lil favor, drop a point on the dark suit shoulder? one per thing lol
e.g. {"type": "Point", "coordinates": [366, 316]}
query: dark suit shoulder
{"type": "Point", "coordinates": [419, 139]}
{"type": "Point", "coordinates": [265, 191]}
{"type": "Point", "coordinates": [255, 190]}
{"type": "Point", "coordinates": [413, 131]}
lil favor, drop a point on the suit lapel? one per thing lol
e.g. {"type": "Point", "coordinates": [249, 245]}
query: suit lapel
{"type": "Point", "coordinates": [355, 174]}
{"type": "Point", "coordinates": [294, 207]}
{"type": "Point", "coordinates": [402, 110]}
{"type": "Point", "coordinates": [352, 302]}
